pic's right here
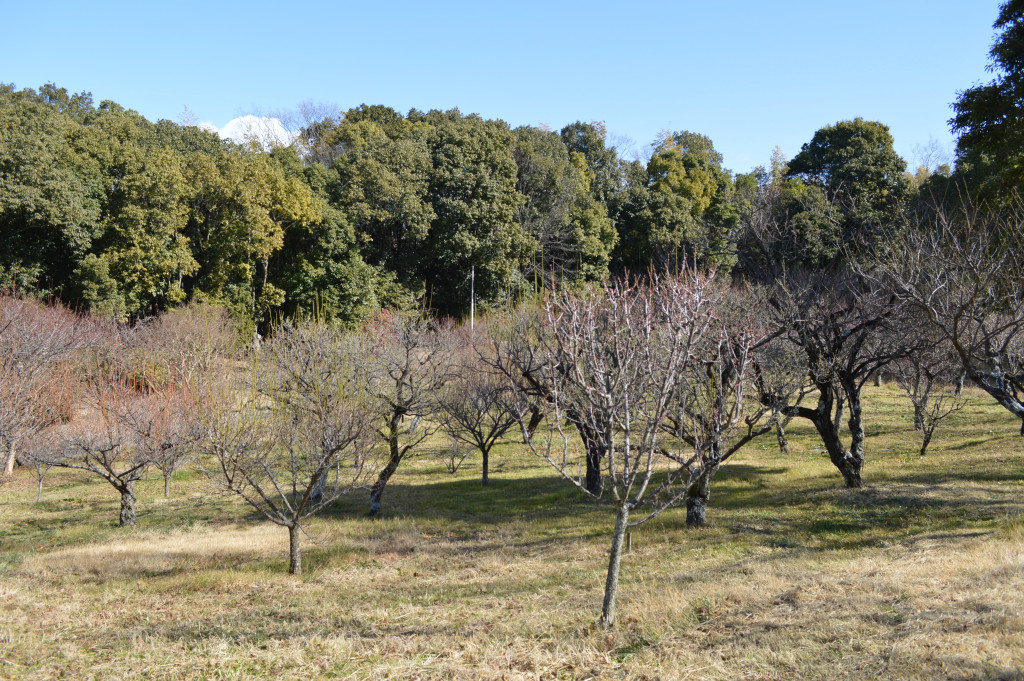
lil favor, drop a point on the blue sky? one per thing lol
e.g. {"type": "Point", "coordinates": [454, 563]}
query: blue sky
{"type": "Point", "coordinates": [748, 74]}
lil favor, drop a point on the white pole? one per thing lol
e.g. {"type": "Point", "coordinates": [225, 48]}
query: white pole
{"type": "Point", "coordinates": [472, 297]}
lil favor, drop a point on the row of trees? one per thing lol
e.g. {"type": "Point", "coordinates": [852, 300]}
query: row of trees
{"type": "Point", "coordinates": [371, 209]}
{"type": "Point", "coordinates": [637, 391]}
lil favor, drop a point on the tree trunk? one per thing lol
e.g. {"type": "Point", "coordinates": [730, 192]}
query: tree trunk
{"type": "Point", "coordinates": [394, 458]}
{"type": "Point", "coordinates": [591, 444]}
{"type": "Point", "coordinates": [127, 517]}
{"type": "Point", "coordinates": [996, 387]}
{"type": "Point", "coordinates": [918, 417]}
{"type": "Point", "coordinates": [851, 468]}
{"type": "Point", "coordinates": [849, 462]}
{"type": "Point", "coordinates": [294, 551]}
{"type": "Point", "coordinates": [317, 495]}
{"type": "Point", "coordinates": [878, 379]}
{"type": "Point", "coordinates": [855, 456]}
{"type": "Point", "coordinates": [593, 482]}
{"type": "Point", "coordinates": [9, 465]}
{"type": "Point", "coordinates": [780, 436]}
{"type": "Point", "coordinates": [39, 493]}
{"type": "Point", "coordinates": [837, 421]}
{"type": "Point", "coordinates": [377, 491]}
{"type": "Point", "coordinates": [925, 439]}
{"type": "Point", "coordinates": [536, 416]}
{"type": "Point", "coordinates": [167, 485]}
{"type": "Point", "coordinates": [486, 456]}
{"type": "Point", "coordinates": [698, 494]}
{"type": "Point", "coordinates": [611, 583]}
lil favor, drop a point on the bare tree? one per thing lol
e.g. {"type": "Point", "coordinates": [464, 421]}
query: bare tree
{"type": "Point", "coordinates": [164, 427]}
{"type": "Point", "coordinates": [477, 408]}
{"type": "Point", "coordinates": [36, 453]}
{"type": "Point", "coordinates": [613, 359]}
{"type": "Point", "coordinates": [515, 351]}
{"type": "Point", "coordinates": [170, 357]}
{"type": "Point", "coordinates": [276, 430]}
{"type": "Point", "coordinates": [717, 407]}
{"type": "Point", "coordinates": [410, 360]}
{"type": "Point", "coordinates": [454, 454]}
{"type": "Point", "coordinates": [98, 441]}
{"type": "Point", "coordinates": [844, 326]}
{"type": "Point", "coordinates": [929, 379]}
{"type": "Point", "coordinates": [35, 340]}
{"type": "Point", "coordinates": [960, 270]}
{"type": "Point", "coordinates": [183, 345]}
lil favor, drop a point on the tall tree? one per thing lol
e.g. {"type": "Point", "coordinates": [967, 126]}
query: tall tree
{"type": "Point", "coordinates": [137, 263]}
{"type": "Point", "coordinates": [989, 118]}
{"type": "Point", "coordinates": [242, 205]}
{"type": "Point", "coordinates": [382, 186]}
{"type": "Point", "coordinates": [319, 267]}
{"type": "Point", "coordinates": [686, 213]}
{"type": "Point", "coordinates": [590, 139]}
{"type": "Point", "coordinates": [473, 191]}
{"type": "Point", "coordinates": [855, 164]}
{"type": "Point", "coordinates": [572, 229]}
{"type": "Point", "coordinates": [50, 192]}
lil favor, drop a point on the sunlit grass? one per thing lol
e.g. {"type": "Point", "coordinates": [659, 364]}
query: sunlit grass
{"type": "Point", "coordinates": [919, 576]}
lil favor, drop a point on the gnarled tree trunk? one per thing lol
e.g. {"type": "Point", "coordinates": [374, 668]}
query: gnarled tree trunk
{"type": "Point", "coordinates": [698, 493]}
{"type": "Point", "coordinates": [394, 458]}
{"type": "Point", "coordinates": [127, 516]}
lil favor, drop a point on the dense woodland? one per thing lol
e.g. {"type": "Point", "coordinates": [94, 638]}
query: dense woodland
{"type": "Point", "coordinates": [372, 209]}
{"type": "Point", "coordinates": [641, 322]}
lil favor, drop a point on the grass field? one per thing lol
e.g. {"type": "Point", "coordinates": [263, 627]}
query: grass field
{"type": "Point", "coordinates": [920, 575]}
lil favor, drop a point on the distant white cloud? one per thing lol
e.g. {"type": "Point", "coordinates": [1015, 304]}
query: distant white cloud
{"type": "Point", "coordinates": [267, 131]}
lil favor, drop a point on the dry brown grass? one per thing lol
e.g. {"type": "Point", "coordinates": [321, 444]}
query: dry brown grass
{"type": "Point", "coordinates": [920, 576]}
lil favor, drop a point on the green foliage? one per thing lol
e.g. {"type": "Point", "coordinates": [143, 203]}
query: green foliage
{"type": "Point", "coordinates": [573, 232]}
{"type": "Point", "coordinates": [473, 192]}
{"type": "Point", "coordinates": [988, 118]}
{"type": "Point", "coordinates": [603, 162]}
{"type": "Point", "coordinates": [49, 192]}
{"type": "Point", "coordinates": [374, 209]}
{"type": "Point", "coordinates": [854, 163]}
{"type": "Point", "coordinates": [319, 267]}
{"type": "Point", "coordinates": [687, 212]}
{"type": "Point", "coordinates": [144, 213]}
{"type": "Point", "coordinates": [381, 185]}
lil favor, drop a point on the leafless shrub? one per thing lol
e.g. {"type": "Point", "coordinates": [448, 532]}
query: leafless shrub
{"type": "Point", "coordinates": [929, 378]}
{"type": "Point", "coordinates": [453, 454]}
{"type": "Point", "coordinates": [476, 407]}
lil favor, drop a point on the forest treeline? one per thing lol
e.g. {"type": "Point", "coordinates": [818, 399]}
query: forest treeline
{"type": "Point", "coordinates": [370, 209]}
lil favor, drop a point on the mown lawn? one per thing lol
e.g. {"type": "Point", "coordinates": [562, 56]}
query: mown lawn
{"type": "Point", "coordinates": [918, 576]}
